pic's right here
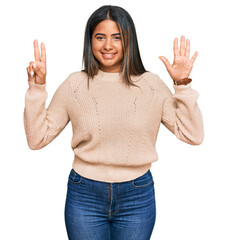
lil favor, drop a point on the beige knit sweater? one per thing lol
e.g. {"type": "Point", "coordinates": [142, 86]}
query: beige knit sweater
{"type": "Point", "coordinates": [114, 127]}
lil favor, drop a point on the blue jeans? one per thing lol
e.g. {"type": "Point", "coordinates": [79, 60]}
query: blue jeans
{"type": "Point", "coordinates": [96, 210]}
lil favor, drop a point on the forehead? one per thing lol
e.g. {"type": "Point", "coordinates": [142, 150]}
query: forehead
{"type": "Point", "coordinates": [107, 27]}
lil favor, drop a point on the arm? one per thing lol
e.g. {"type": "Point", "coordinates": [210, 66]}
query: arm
{"type": "Point", "coordinates": [181, 113]}
{"type": "Point", "coordinates": [43, 125]}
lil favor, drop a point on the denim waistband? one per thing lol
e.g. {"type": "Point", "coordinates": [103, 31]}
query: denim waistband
{"type": "Point", "coordinates": [147, 175]}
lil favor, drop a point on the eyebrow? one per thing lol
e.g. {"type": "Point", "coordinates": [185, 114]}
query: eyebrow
{"type": "Point", "coordinates": [114, 34]}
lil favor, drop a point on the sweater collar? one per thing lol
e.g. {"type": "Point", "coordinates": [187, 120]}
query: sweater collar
{"type": "Point", "coordinates": [108, 76]}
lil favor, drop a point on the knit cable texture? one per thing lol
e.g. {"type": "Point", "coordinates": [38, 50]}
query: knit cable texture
{"type": "Point", "coordinates": [114, 127]}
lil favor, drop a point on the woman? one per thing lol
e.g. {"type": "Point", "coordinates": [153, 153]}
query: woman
{"type": "Point", "coordinates": [115, 107]}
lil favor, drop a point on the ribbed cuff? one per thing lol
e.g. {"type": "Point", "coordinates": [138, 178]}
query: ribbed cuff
{"type": "Point", "coordinates": [181, 89]}
{"type": "Point", "coordinates": [36, 86]}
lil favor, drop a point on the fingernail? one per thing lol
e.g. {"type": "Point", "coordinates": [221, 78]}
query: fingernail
{"type": "Point", "coordinates": [34, 65]}
{"type": "Point", "coordinates": [32, 73]}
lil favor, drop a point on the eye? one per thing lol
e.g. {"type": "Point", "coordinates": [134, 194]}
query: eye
{"type": "Point", "coordinates": [117, 38]}
{"type": "Point", "coordinates": [99, 38]}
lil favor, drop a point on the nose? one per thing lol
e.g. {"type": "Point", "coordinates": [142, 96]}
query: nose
{"type": "Point", "coordinates": [108, 44]}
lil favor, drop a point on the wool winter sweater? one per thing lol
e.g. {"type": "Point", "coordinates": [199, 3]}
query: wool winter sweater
{"type": "Point", "coordinates": [114, 127]}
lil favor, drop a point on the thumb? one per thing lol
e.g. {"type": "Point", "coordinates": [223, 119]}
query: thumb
{"type": "Point", "coordinates": [165, 61]}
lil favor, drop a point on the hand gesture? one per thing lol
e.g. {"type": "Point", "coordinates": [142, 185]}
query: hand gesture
{"type": "Point", "coordinates": [37, 70]}
{"type": "Point", "coordinates": [182, 65]}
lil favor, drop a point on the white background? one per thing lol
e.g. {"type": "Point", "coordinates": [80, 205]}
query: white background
{"type": "Point", "coordinates": [190, 181]}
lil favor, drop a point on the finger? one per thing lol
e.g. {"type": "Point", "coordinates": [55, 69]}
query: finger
{"type": "Point", "coordinates": [175, 47]}
{"type": "Point", "coordinates": [37, 69]}
{"type": "Point", "coordinates": [31, 65]}
{"type": "Point", "coordinates": [182, 46]}
{"type": "Point", "coordinates": [31, 76]}
{"type": "Point", "coordinates": [43, 53]}
{"type": "Point", "coordinates": [187, 48]}
{"type": "Point", "coordinates": [36, 51]}
{"type": "Point", "coordinates": [31, 70]}
{"type": "Point", "coordinates": [194, 57]}
{"type": "Point", "coordinates": [166, 62]}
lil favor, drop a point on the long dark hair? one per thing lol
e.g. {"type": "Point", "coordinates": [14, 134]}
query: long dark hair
{"type": "Point", "coordinates": [131, 63]}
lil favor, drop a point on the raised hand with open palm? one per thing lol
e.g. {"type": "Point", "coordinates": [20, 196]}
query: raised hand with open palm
{"type": "Point", "coordinates": [37, 70]}
{"type": "Point", "coordinates": [182, 65]}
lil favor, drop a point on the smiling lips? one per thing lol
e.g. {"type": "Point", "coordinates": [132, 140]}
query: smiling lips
{"type": "Point", "coordinates": [108, 55]}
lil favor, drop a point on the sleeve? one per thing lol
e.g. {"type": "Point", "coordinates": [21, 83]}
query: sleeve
{"type": "Point", "coordinates": [181, 113]}
{"type": "Point", "coordinates": [43, 125]}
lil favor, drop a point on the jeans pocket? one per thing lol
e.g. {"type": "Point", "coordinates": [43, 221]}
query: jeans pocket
{"type": "Point", "coordinates": [143, 181]}
{"type": "Point", "coordinates": [74, 177]}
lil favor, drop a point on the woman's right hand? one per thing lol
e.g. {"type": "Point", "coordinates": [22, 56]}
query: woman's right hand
{"type": "Point", "coordinates": [37, 70]}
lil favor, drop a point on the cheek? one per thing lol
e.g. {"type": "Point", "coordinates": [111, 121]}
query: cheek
{"type": "Point", "coordinates": [95, 50]}
{"type": "Point", "coordinates": [120, 50]}
{"type": "Point", "coordinates": [119, 47]}
{"type": "Point", "coordinates": [96, 45]}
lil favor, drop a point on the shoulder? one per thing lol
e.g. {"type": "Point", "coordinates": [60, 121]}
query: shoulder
{"type": "Point", "coordinates": [74, 79]}
{"type": "Point", "coordinates": [77, 76]}
{"type": "Point", "coordinates": [154, 80]}
{"type": "Point", "coordinates": [149, 76]}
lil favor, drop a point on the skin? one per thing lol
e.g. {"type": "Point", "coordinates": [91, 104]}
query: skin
{"type": "Point", "coordinates": [37, 70]}
{"type": "Point", "coordinates": [103, 41]}
{"type": "Point", "coordinates": [182, 65]}
{"type": "Point", "coordinates": [109, 43]}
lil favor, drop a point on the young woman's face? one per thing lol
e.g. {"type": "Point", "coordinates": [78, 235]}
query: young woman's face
{"type": "Point", "coordinates": [107, 46]}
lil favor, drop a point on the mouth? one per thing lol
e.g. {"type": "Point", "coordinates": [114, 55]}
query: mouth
{"type": "Point", "coordinates": [108, 55]}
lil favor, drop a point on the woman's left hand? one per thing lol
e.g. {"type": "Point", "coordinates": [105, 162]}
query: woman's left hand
{"type": "Point", "coordinates": [182, 65]}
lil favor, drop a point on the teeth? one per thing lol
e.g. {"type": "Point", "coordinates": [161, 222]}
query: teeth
{"type": "Point", "coordinates": [108, 54]}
